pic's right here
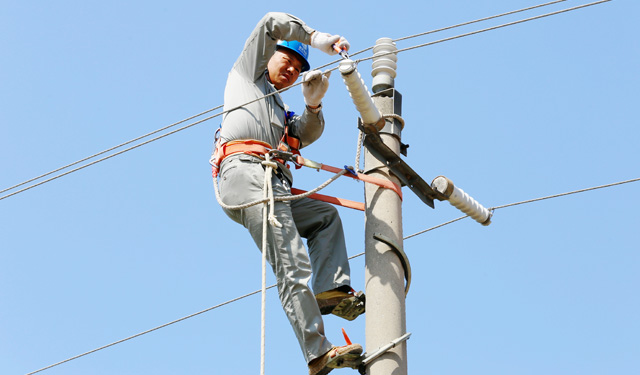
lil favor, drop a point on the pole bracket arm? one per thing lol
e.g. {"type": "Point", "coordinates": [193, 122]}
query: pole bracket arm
{"type": "Point", "coordinates": [407, 176]}
{"type": "Point", "coordinates": [368, 358]}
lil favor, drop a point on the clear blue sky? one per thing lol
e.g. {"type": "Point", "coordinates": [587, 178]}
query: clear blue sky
{"type": "Point", "coordinates": [137, 241]}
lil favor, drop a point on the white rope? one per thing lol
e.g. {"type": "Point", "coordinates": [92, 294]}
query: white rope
{"type": "Point", "coordinates": [358, 151]}
{"type": "Point", "coordinates": [268, 216]}
{"type": "Point", "coordinates": [282, 198]}
{"type": "Point", "coordinates": [270, 166]}
{"type": "Point", "coordinates": [395, 117]}
{"type": "Point", "coordinates": [361, 139]}
{"type": "Point", "coordinates": [268, 195]}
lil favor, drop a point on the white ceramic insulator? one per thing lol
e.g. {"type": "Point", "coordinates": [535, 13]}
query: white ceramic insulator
{"type": "Point", "coordinates": [461, 200]}
{"type": "Point", "coordinates": [384, 64]}
{"type": "Point", "coordinates": [359, 92]}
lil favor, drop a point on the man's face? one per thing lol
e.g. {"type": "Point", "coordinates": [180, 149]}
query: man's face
{"type": "Point", "coordinates": [284, 68]}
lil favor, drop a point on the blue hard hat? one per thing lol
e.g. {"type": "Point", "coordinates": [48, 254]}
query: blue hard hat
{"type": "Point", "coordinates": [300, 49]}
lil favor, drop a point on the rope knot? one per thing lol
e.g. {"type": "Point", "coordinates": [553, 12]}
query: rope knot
{"type": "Point", "coordinates": [269, 163]}
{"type": "Point", "coordinates": [273, 221]}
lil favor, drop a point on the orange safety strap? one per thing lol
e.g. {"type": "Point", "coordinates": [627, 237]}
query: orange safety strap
{"type": "Point", "coordinates": [259, 148]}
{"type": "Point", "coordinates": [366, 178]}
{"type": "Point", "coordinates": [289, 143]}
{"type": "Point", "coordinates": [333, 200]}
{"type": "Point", "coordinates": [340, 201]}
{"type": "Point", "coordinates": [246, 146]}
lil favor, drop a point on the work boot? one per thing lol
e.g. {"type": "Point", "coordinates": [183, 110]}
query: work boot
{"type": "Point", "coordinates": [337, 357]}
{"type": "Point", "coordinates": [347, 305]}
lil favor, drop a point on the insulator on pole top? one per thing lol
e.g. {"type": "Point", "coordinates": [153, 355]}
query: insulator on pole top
{"type": "Point", "coordinates": [384, 64]}
{"type": "Point", "coordinates": [461, 200]}
{"type": "Point", "coordinates": [360, 94]}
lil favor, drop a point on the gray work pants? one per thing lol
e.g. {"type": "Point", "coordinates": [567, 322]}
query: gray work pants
{"type": "Point", "coordinates": [241, 181]}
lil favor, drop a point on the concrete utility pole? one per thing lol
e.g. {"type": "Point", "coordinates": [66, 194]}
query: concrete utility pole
{"type": "Point", "coordinates": [385, 267]}
{"type": "Point", "coordinates": [386, 263]}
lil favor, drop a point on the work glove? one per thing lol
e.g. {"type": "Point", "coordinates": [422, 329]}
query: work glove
{"type": "Point", "coordinates": [324, 42]}
{"type": "Point", "coordinates": [314, 86]}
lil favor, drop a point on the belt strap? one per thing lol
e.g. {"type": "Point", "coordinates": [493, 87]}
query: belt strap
{"type": "Point", "coordinates": [245, 146]}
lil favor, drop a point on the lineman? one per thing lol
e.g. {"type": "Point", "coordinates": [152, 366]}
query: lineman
{"type": "Point", "coordinates": [274, 55]}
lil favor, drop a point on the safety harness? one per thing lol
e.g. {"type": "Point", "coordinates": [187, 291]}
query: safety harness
{"type": "Point", "coordinates": [289, 144]}
{"type": "Point", "coordinates": [288, 150]}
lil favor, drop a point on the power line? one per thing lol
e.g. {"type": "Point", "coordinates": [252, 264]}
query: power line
{"type": "Point", "coordinates": [102, 159]}
{"type": "Point", "coordinates": [273, 93]}
{"type": "Point", "coordinates": [350, 258]}
{"type": "Point", "coordinates": [108, 150]}
{"type": "Point", "coordinates": [221, 113]}
{"type": "Point", "coordinates": [150, 330]}
{"type": "Point", "coordinates": [563, 194]}
{"type": "Point", "coordinates": [130, 148]}
{"type": "Point", "coordinates": [528, 201]}
{"type": "Point", "coordinates": [478, 20]}
{"type": "Point", "coordinates": [488, 29]}
{"type": "Point", "coordinates": [448, 28]}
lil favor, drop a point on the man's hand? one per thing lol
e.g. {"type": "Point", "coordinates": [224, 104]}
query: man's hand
{"type": "Point", "coordinates": [314, 86]}
{"type": "Point", "coordinates": [324, 42]}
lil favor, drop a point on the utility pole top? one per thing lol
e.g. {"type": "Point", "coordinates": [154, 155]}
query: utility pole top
{"type": "Point", "coordinates": [386, 264]}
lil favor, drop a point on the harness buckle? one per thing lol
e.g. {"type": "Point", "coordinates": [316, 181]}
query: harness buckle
{"type": "Point", "coordinates": [286, 156]}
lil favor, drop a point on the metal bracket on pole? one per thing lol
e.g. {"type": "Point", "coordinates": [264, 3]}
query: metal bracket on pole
{"type": "Point", "coordinates": [396, 165]}
{"type": "Point", "coordinates": [401, 254]}
{"type": "Point", "coordinates": [367, 358]}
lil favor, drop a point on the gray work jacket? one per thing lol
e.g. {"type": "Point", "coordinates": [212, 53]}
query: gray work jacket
{"type": "Point", "coordinates": [264, 119]}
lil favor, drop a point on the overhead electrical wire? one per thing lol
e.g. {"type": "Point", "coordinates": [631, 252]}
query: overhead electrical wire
{"type": "Point", "coordinates": [223, 112]}
{"type": "Point", "coordinates": [478, 20]}
{"type": "Point", "coordinates": [108, 150]}
{"type": "Point", "coordinates": [528, 201]}
{"type": "Point", "coordinates": [130, 148]}
{"type": "Point", "coordinates": [100, 160]}
{"type": "Point", "coordinates": [150, 330]}
{"type": "Point", "coordinates": [350, 258]}
{"type": "Point", "coordinates": [487, 29]}
{"type": "Point", "coordinates": [463, 24]}
{"type": "Point", "coordinates": [273, 93]}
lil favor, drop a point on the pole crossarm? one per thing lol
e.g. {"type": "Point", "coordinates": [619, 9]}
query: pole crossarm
{"type": "Point", "coordinates": [373, 142]}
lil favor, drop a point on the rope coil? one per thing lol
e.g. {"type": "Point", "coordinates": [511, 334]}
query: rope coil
{"type": "Point", "coordinates": [395, 117]}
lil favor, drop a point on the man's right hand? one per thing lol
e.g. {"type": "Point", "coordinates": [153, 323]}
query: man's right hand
{"type": "Point", "coordinates": [324, 42]}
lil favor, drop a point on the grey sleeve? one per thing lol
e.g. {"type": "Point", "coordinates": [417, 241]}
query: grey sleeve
{"type": "Point", "coordinates": [261, 44]}
{"type": "Point", "coordinates": [308, 127]}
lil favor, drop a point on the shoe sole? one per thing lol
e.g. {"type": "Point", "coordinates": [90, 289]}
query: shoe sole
{"type": "Point", "coordinates": [324, 371]}
{"type": "Point", "coordinates": [350, 308]}
{"type": "Point", "coordinates": [345, 360]}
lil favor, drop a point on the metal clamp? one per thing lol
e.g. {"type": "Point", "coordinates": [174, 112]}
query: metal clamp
{"type": "Point", "coordinates": [401, 254]}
